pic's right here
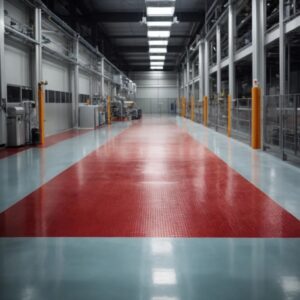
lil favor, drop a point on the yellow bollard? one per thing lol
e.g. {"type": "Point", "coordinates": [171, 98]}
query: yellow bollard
{"type": "Point", "coordinates": [183, 107]}
{"type": "Point", "coordinates": [205, 110]}
{"type": "Point", "coordinates": [229, 115]}
{"type": "Point", "coordinates": [256, 126]}
{"type": "Point", "coordinates": [192, 108]}
{"type": "Point", "coordinates": [108, 111]}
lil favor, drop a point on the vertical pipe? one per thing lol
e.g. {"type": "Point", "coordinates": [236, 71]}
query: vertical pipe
{"type": "Point", "coordinates": [38, 69]}
{"type": "Point", "coordinates": [282, 73]}
{"type": "Point", "coordinates": [231, 66]}
{"type": "Point", "coordinates": [75, 89]}
{"type": "Point", "coordinates": [256, 124]}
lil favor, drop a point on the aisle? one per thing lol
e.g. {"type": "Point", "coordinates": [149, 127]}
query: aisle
{"type": "Point", "coordinates": [152, 180]}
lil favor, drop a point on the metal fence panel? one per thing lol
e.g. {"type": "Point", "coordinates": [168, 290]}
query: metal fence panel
{"type": "Point", "coordinates": [241, 119]}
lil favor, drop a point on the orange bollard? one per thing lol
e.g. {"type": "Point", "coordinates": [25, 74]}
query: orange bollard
{"type": "Point", "coordinates": [41, 99]}
{"type": "Point", "coordinates": [205, 110]}
{"type": "Point", "coordinates": [256, 126]}
{"type": "Point", "coordinates": [108, 111]}
{"type": "Point", "coordinates": [192, 108]}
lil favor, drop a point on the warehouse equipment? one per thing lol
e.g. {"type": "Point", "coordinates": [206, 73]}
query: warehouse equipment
{"type": "Point", "coordinates": [30, 119]}
{"type": "Point", "coordinates": [15, 126]}
{"type": "Point", "coordinates": [89, 116]}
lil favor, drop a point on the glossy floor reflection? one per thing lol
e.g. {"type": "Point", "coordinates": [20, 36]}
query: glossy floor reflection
{"type": "Point", "coordinates": [106, 215]}
{"type": "Point", "coordinates": [150, 269]}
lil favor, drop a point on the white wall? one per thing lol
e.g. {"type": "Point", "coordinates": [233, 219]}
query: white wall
{"type": "Point", "coordinates": [58, 115]}
{"type": "Point", "coordinates": [156, 91]}
{"type": "Point", "coordinates": [17, 64]}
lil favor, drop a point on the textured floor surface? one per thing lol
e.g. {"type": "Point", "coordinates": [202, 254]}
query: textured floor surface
{"type": "Point", "coordinates": [153, 180]}
{"type": "Point", "coordinates": [164, 209]}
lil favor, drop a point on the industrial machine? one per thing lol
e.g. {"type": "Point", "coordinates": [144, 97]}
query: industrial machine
{"type": "Point", "coordinates": [15, 126]}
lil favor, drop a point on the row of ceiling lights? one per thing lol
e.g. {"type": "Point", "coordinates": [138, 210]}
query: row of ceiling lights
{"type": "Point", "coordinates": [159, 31]}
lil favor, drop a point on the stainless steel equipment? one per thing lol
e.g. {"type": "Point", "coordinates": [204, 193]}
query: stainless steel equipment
{"type": "Point", "coordinates": [89, 116]}
{"type": "Point", "coordinates": [30, 119]}
{"type": "Point", "coordinates": [15, 126]}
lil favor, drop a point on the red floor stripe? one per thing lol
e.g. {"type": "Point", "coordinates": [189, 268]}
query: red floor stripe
{"type": "Point", "coordinates": [154, 180]}
{"type": "Point", "coordinates": [49, 141]}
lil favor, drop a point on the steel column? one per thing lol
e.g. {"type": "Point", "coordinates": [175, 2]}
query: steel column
{"type": "Point", "coordinates": [38, 53]}
{"type": "Point", "coordinates": [218, 37]}
{"type": "Point", "coordinates": [2, 78]}
{"type": "Point", "coordinates": [75, 92]}
{"type": "Point", "coordinates": [231, 48]}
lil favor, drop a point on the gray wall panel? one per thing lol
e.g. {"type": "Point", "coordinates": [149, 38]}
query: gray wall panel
{"type": "Point", "coordinates": [156, 91]}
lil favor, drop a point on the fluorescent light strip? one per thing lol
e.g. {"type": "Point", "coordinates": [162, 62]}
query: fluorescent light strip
{"type": "Point", "coordinates": [158, 50]}
{"type": "Point", "coordinates": [158, 33]}
{"type": "Point", "coordinates": [157, 57]}
{"type": "Point", "coordinates": [158, 43]}
{"type": "Point", "coordinates": [157, 67]}
{"type": "Point", "coordinates": [160, 11]}
{"type": "Point", "coordinates": [159, 23]}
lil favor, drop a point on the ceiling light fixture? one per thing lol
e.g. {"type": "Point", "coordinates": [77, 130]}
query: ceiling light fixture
{"type": "Point", "coordinates": [157, 57]}
{"type": "Point", "coordinates": [158, 50]}
{"type": "Point", "coordinates": [158, 43]}
{"type": "Point", "coordinates": [159, 23]}
{"type": "Point", "coordinates": [158, 33]}
{"type": "Point", "coordinates": [160, 11]}
{"type": "Point", "coordinates": [156, 67]}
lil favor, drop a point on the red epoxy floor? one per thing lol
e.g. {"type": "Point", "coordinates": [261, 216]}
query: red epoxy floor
{"type": "Point", "coordinates": [153, 180]}
{"type": "Point", "coordinates": [49, 141]}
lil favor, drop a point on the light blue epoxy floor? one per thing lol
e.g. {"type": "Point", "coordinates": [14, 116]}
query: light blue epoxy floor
{"type": "Point", "coordinates": [279, 180]}
{"type": "Point", "coordinates": [149, 269]}
{"type": "Point", "coordinates": [24, 172]}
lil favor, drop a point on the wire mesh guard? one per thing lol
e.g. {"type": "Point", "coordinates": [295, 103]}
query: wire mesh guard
{"type": "Point", "coordinates": [241, 118]}
{"type": "Point", "coordinates": [282, 124]}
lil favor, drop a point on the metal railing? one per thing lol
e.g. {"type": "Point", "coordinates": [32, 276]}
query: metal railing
{"type": "Point", "coordinates": [213, 112]}
{"type": "Point", "coordinates": [282, 124]}
{"type": "Point", "coordinates": [241, 119]}
{"type": "Point", "coordinates": [222, 114]}
{"type": "Point", "coordinates": [199, 111]}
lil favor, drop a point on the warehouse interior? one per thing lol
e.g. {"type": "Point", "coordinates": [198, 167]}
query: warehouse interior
{"type": "Point", "coordinates": [150, 149]}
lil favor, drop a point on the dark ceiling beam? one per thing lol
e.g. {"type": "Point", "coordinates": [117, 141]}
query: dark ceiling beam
{"type": "Point", "coordinates": [141, 49]}
{"type": "Point", "coordinates": [128, 17]}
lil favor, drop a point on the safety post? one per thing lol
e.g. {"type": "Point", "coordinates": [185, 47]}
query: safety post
{"type": "Point", "coordinates": [255, 125]}
{"type": "Point", "coordinates": [183, 107]}
{"type": "Point", "coordinates": [192, 108]}
{"type": "Point", "coordinates": [205, 110]}
{"type": "Point", "coordinates": [108, 110]}
{"type": "Point", "coordinates": [229, 101]}
{"type": "Point", "coordinates": [41, 100]}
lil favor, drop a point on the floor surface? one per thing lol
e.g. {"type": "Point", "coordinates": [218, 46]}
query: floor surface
{"type": "Point", "coordinates": [158, 209]}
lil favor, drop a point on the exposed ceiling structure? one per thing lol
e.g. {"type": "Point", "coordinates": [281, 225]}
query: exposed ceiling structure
{"type": "Point", "coordinates": [115, 27]}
